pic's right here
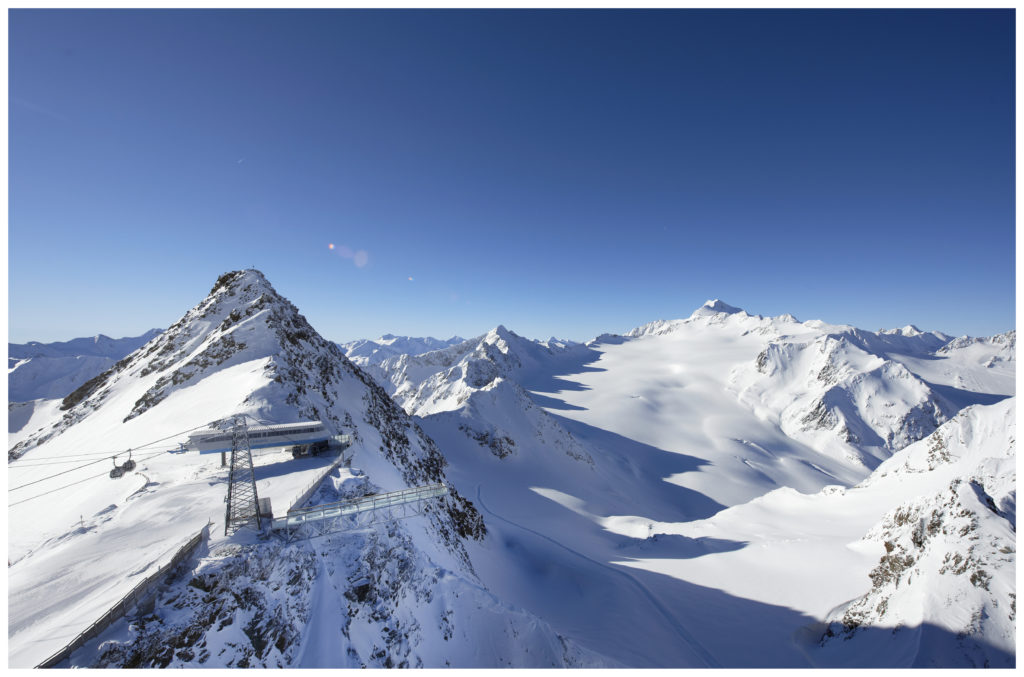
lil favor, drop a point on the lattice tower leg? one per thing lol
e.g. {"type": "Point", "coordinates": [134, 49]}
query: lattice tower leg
{"type": "Point", "coordinates": [243, 503]}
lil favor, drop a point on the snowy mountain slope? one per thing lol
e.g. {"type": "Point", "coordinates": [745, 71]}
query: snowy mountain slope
{"type": "Point", "coordinates": [829, 390]}
{"type": "Point", "coordinates": [365, 352]}
{"type": "Point", "coordinates": [666, 417]}
{"type": "Point", "coordinates": [26, 417]}
{"type": "Point", "coordinates": [541, 475]}
{"type": "Point", "coordinates": [969, 366]}
{"type": "Point", "coordinates": [949, 559]}
{"type": "Point", "coordinates": [878, 392]}
{"type": "Point", "coordinates": [647, 503]}
{"type": "Point", "coordinates": [52, 377]}
{"type": "Point", "coordinates": [912, 567]}
{"type": "Point", "coordinates": [369, 598]}
{"type": "Point", "coordinates": [440, 380]}
{"type": "Point", "coordinates": [243, 349]}
{"type": "Point", "coordinates": [51, 370]}
{"type": "Point", "coordinates": [672, 385]}
{"type": "Point", "coordinates": [841, 391]}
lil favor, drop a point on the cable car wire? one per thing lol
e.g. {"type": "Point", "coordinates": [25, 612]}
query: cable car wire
{"type": "Point", "coordinates": [100, 460]}
{"type": "Point", "coordinates": [107, 454]}
{"type": "Point", "coordinates": [103, 474]}
{"type": "Point", "coordinates": [92, 477]}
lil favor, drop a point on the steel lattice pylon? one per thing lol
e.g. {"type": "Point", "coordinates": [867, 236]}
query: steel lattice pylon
{"type": "Point", "coordinates": [243, 503]}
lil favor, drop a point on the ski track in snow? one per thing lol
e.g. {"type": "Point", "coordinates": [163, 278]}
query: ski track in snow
{"type": "Point", "coordinates": [687, 638]}
{"type": "Point", "coordinates": [321, 643]}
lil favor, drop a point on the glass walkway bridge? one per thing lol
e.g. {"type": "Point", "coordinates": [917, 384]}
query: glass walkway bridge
{"type": "Point", "coordinates": [355, 513]}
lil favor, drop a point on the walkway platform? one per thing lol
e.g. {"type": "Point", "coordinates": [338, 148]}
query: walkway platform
{"type": "Point", "coordinates": [355, 513]}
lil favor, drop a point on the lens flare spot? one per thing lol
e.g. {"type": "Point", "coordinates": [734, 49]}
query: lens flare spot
{"type": "Point", "coordinates": [330, 246]}
{"type": "Point", "coordinates": [410, 278]}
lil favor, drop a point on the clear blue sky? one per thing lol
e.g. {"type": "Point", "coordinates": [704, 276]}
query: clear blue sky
{"type": "Point", "coordinates": [561, 173]}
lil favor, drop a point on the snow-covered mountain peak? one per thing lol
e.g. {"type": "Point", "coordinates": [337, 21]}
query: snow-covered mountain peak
{"type": "Point", "coordinates": [500, 333]}
{"type": "Point", "coordinates": [974, 434]}
{"type": "Point", "coordinates": [909, 330]}
{"type": "Point", "coordinates": [242, 320]}
{"type": "Point", "coordinates": [656, 328]}
{"type": "Point", "coordinates": [720, 306]}
{"type": "Point", "coordinates": [1005, 343]}
{"type": "Point", "coordinates": [407, 593]}
{"type": "Point", "coordinates": [243, 284]}
{"type": "Point", "coordinates": [947, 556]}
{"type": "Point", "coordinates": [715, 306]}
{"type": "Point", "coordinates": [367, 353]}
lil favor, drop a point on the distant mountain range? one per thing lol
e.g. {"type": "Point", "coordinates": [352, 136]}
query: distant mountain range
{"type": "Point", "coordinates": [51, 370]}
{"type": "Point", "coordinates": [365, 351]}
{"type": "Point", "coordinates": [48, 370]}
{"type": "Point", "coordinates": [722, 490]}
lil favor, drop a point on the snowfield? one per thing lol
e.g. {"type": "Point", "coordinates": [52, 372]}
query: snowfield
{"type": "Point", "coordinates": [725, 490]}
{"type": "Point", "coordinates": [620, 450]}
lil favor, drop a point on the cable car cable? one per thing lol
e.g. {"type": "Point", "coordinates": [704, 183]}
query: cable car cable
{"type": "Point", "coordinates": [107, 454]}
{"type": "Point", "coordinates": [46, 493]}
{"type": "Point", "coordinates": [100, 460]}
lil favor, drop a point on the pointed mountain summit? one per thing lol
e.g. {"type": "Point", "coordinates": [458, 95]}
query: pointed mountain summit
{"type": "Point", "coordinates": [718, 306]}
{"type": "Point", "coordinates": [402, 594]}
{"type": "Point", "coordinates": [246, 349]}
{"type": "Point", "coordinates": [441, 379]}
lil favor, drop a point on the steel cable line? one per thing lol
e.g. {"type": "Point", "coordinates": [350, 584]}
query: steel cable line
{"type": "Point", "coordinates": [104, 474]}
{"type": "Point", "coordinates": [105, 457]}
{"type": "Point", "coordinates": [64, 472]}
{"type": "Point", "coordinates": [108, 454]}
{"type": "Point", "coordinates": [79, 457]}
{"type": "Point", "coordinates": [198, 427]}
{"type": "Point", "coordinates": [76, 460]}
{"type": "Point", "coordinates": [92, 477]}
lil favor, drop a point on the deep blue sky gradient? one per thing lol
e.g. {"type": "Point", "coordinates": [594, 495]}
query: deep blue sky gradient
{"type": "Point", "coordinates": [560, 172]}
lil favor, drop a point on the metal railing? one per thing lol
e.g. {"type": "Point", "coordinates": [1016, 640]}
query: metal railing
{"type": "Point", "coordinates": [124, 605]}
{"type": "Point", "coordinates": [343, 442]}
{"type": "Point", "coordinates": [358, 505]}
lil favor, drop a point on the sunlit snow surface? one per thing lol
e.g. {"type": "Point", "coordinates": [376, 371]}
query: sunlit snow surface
{"type": "Point", "coordinates": [79, 540]}
{"type": "Point", "coordinates": [609, 510]}
{"type": "Point", "coordinates": [129, 525]}
{"type": "Point", "coordinates": [710, 492]}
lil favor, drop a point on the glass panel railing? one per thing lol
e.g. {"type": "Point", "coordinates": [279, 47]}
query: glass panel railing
{"type": "Point", "coordinates": [362, 504]}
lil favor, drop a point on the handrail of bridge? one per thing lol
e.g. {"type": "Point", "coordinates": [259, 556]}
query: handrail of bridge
{"type": "Point", "coordinates": [358, 505]}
